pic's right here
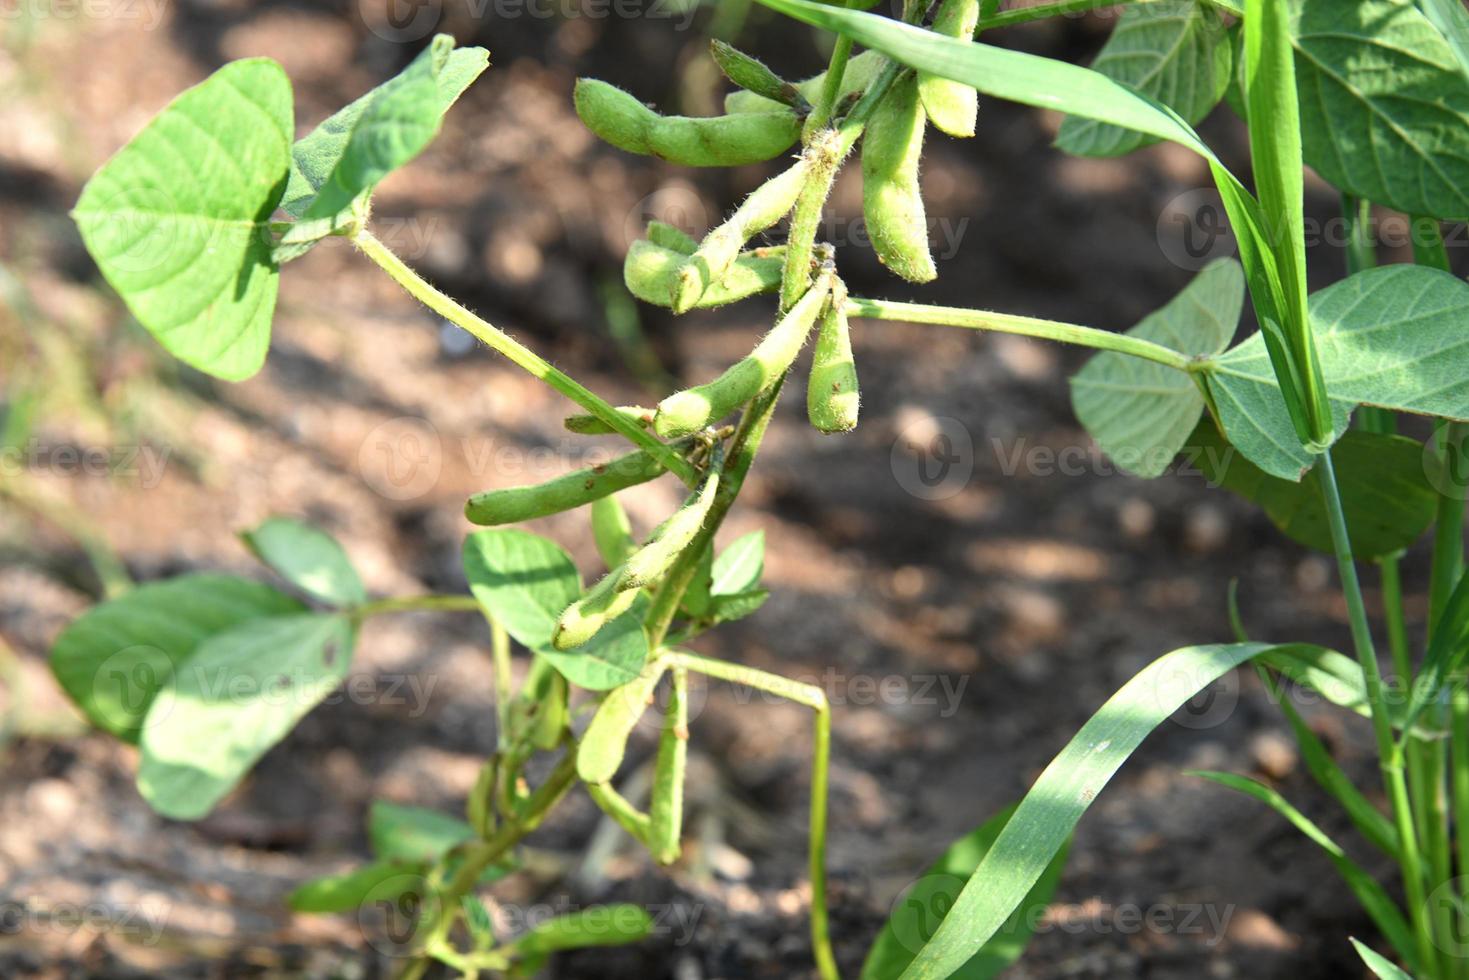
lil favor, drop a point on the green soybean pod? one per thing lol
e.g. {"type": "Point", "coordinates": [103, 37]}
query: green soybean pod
{"type": "Point", "coordinates": [605, 741]}
{"type": "Point", "coordinates": [892, 203]}
{"type": "Point", "coordinates": [861, 70]}
{"type": "Point", "coordinates": [951, 106]}
{"type": "Point", "coordinates": [567, 492]}
{"type": "Point", "coordinates": [587, 424]}
{"type": "Point", "coordinates": [612, 531]}
{"type": "Point", "coordinates": [716, 141]}
{"type": "Point", "coordinates": [585, 617]}
{"type": "Point", "coordinates": [651, 274]}
{"type": "Point", "coordinates": [551, 713]}
{"type": "Point", "coordinates": [663, 234]}
{"type": "Point", "coordinates": [665, 812]}
{"type": "Point", "coordinates": [691, 410]}
{"type": "Point", "coordinates": [646, 565]}
{"type": "Point", "coordinates": [832, 395]}
{"type": "Point", "coordinates": [752, 74]}
{"type": "Point", "coordinates": [765, 206]}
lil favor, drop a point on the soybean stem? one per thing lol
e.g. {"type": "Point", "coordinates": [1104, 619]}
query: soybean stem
{"type": "Point", "coordinates": [522, 356]}
{"type": "Point", "coordinates": [1025, 15]}
{"type": "Point", "coordinates": [1066, 333]}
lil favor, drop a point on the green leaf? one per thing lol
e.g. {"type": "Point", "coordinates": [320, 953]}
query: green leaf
{"type": "Point", "coordinates": [524, 582]}
{"type": "Point", "coordinates": [413, 833]}
{"type": "Point", "coordinates": [1386, 496]}
{"type": "Point", "coordinates": [308, 558]}
{"type": "Point", "coordinates": [342, 160]}
{"type": "Point", "coordinates": [114, 658]}
{"type": "Point", "coordinates": [738, 605]}
{"type": "Point", "coordinates": [601, 925]}
{"type": "Point", "coordinates": [1452, 21]}
{"type": "Point", "coordinates": [383, 880]}
{"type": "Point", "coordinates": [1140, 412]}
{"type": "Point", "coordinates": [1391, 336]}
{"type": "Point", "coordinates": [1178, 53]}
{"type": "Point", "coordinates": [1334, 676]}
{"type": "Point", "coordinates": [1384, 968]}
{"type": "Point", "coordinates": [739, 566]}
{"type": "Point", "coordinates": [241, 692]}
{"type": "Point", "coordinates": [1448, 648]}
{"type": "Point", "coordinates": [1390, 104]}
{"type": "Point", "coordinates": [1046, 817]}
{"type": "Point", "coordinates": [1373, 897]}
{"type": "Point", "coordinates": [924, 904]}
{"type": "Point", "coordinates": [178, 220]}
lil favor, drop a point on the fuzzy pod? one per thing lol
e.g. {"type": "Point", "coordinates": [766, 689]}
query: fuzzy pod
{"type": "Point", "coordinates": [752, 74]}
{"type": "Point", "coordinates": [602, 747]}
{"type": "Point", "coordinates": [715, 141]}
{"type": "Point", "coordinates": [951, 106]}
{"type": "Point", "coordinates": [567, 492]}
{"type": "Point", "coordinates": [585, 617]}
{"type": "Point", "coordinates": [861, 70]}
{"type": "Point", "coordinates": [694, 408]}
{"type": "Point", "coordinates": [664, 235]}
{"type": "Point", "coordinates": [646, 565]}
{"type": "Point", "coordinates": [764, 207]}
{"type": "Point", "coordinates": [586, 424]}
{"type": "Point", "coordinates": [652, 275]}
{"type": "Point", "coordinates": [665, 810]}
{"type": "Point", "coordinates": [550, 714]}
{"type": "Point", "coordinates": [892, 203]}
{"type": "Point", "coordinates": [832, 396]}
{"type": "Point", "coordinates": [612, 531]}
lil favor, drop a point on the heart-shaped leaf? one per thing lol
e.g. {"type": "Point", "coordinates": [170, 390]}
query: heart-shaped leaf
{"type": "Point", "coordinates": [178, 220]}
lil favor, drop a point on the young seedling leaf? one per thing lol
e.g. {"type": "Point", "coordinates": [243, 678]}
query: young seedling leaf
{"type": "Point", "coordinates": [343, 159]}
{"type": "Point", "coordinates": [1390, 119]}
{"type": "Point", "coordinates": [1386, 496]}
{"type": "Point", "coordinates": [525, 582]}
{"type": "Point", "coordinates": [1374, 898]}
{"type": "Point", "coordinates": [1140, 412]}
{"type": "Point", "coordinates": [381, 881]}
{"type": "Point", "coordinates": [728, 608]}
{"type": "Point", "coordinates": [1380, 965]}
{"type": "Point", "coordinates": [413, 833]}
{"type": "Point", "coordinates": [114, 658]}
{"type": "Point", "coordinates": [177, 221]}
{"type": "Point", "coordinates": [925, 902]}
{"type": "Point", "coordinates": [1178, 53]}
{"type": "Point", "coordinates": [1044, 820]}
{"type": "Point", "coordinates": [308, 558]}
{"type": "Point", "coordinates": [238, 695]}
{"type": "Point", "coordinates": [1390, 336]}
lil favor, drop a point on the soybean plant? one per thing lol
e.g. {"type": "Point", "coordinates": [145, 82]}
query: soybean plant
{"type": "Point", "coordinates": [192, 221]}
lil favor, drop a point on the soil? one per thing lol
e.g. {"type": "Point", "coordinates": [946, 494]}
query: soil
{"type": "Point", "coordinates": [964, 630]}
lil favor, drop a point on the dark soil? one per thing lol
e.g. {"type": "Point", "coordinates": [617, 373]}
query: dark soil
{"type": "Point", "coordinates": [964, 639]}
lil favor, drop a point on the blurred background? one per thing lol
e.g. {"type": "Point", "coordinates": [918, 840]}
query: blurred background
{"type": "Point", "coordinates": [963, 629]}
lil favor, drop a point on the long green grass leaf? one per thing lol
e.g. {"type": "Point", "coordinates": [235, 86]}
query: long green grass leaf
{"type": "Point", "coordinates": [1046, 817]}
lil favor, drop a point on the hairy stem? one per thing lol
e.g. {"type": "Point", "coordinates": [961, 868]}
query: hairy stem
{"type": "Point", "coordinates": [1066, 333]}
{"type": "Point", "coordinates": [522, 356]}
{"type": "Point", "coordinates": [417, 603]}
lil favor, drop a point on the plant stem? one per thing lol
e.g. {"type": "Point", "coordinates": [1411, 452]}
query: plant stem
{"type": "Point", "coordinates": [1389, 757]}
{"type": "Point", "coordinates": [1066, 333]}
{"type": "Point", "coordinates": [830, 89]}
{"type": "Point", "coordinates": [1025, 15]}
{"type": "Point", "coordinates": [435, 926]}
{"type": "Point", "coordinates": [522, 356]}
{"type": "Point", "coordinates": [416, 603]}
